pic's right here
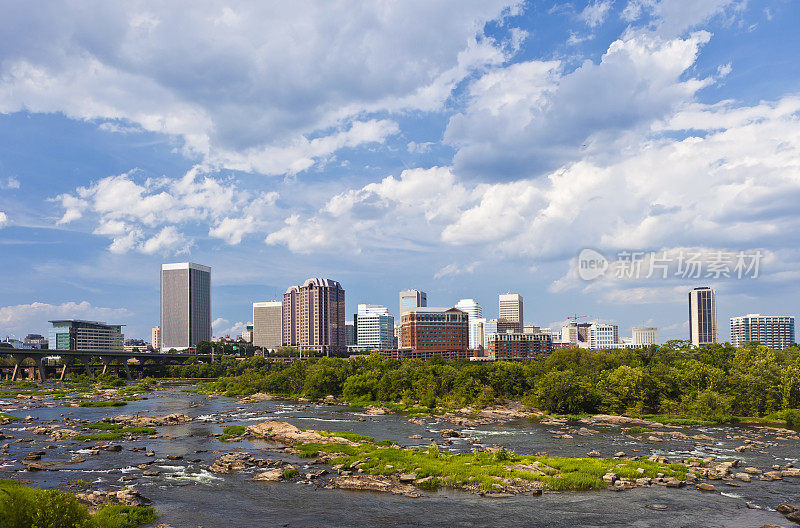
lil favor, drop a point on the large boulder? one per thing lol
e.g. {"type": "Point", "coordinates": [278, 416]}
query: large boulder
{"type": "Point", "coordinates": [372, 483]}
{"type": "Point", "coordinates": [288, 434]}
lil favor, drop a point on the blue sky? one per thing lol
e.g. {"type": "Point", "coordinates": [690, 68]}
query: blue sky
{"type": "Point", "coordinates": [462, 148]}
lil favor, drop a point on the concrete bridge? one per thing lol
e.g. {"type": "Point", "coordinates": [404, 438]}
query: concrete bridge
{"type": "Point", "coordinates": [109, 359]}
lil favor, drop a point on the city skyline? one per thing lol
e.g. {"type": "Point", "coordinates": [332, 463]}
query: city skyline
{"type": "Point", "coordinates": [473, 153]}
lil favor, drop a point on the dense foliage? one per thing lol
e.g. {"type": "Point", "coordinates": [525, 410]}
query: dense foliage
{"type": "Point", "coordinates": [23, 506]}
{"type": "Point", "coordinates": [712, 383]}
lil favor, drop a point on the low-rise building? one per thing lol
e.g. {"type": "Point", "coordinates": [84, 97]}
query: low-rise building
{"type": "Point", "coordinates": [514, 346]}
{"type": "Point", "coordinates": [644, 336]}
{"type": "Point", "coordinates": [90, 336]}
{"type": "Point", "coordinates": [35, 341]}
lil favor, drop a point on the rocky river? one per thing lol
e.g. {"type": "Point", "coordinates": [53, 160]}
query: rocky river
{"type": "Point", "coordinates": [183, 470]}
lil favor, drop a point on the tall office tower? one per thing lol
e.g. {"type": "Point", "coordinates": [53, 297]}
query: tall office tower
{"type": "Point", "coordinates": [644, 336]}
{"type": "Point", "coordinates": [475, 313]}
{"type": "Point", "coordinates": [702, 316]}
{"type": "Point", "coordinates": [489, 327]}
{"type": "Point", "coordinates": [773, 331]}
{"type": "Point", "coordinates": [313, 316]}
{"type": "Point", "coordinates": [511, 309]}
{"type": "Point", "coordinates": [601, 336]}
{"type": "Point", "coordinates": [155, 338]}
{"type": "Point", "coordinates": [374, 327]}
{"type": "Point", "coordinates": [267, 324]}
{"type": "Point", "coordinates": [350, 332]}
{"type": "Point", "coordinates": [185, 305]}
{"type": "Point", "coordinates": [411, 300]}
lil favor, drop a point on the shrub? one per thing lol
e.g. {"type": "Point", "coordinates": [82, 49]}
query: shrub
{"type": "Point", "coordinates": [636, 429]}
{"type": "Point", "coordinates": [289, 473]}
{"type": "Point", "coordinates": [792, 417]}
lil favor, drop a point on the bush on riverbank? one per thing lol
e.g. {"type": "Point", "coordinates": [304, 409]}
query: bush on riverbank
{"type": "Point", "coordinates": [710, 384]}
{"type": "Point", "coordinates": [24, 506]}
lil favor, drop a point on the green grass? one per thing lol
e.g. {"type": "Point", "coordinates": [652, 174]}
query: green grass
{"type": "Point", "coordinates": [115, 431]}
{"type": "Point", "coordinates": [232, 431]}
{"type": "Point", "coordinates": [670, 420]}
{"type": "Point", "coordinates": [480, 470]}
{"type": "Point", "coordinates": [7, 418]}
{"type": "Point", "coordinates": [636, 429]}
{"type": "Point", "coordinates": [106, 403]}
{"type": "Point", "coordinates": [289, 473]}
{"type": "Point", "coordinates": [353, 437]}
{"type": "Point", "coordinates": [24, 506]}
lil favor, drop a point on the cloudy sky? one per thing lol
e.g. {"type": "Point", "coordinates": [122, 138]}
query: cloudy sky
{"type": "Point", "coordinates": [464, 148]}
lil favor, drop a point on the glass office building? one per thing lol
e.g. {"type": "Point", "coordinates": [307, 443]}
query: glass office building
{"type": "Point", "coordinates": [185, 305]}
{"type": "Point", "coordinates": [90, 336]}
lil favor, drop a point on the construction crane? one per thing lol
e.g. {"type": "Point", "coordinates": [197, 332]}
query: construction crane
{"type": "Point", "coordinates": [575, 317]}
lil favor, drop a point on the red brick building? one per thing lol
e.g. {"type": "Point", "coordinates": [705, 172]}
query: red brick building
{"type": "Point", "coordinates": [430, 331]}
{"type": "Point", "coordinates": [511, 346]}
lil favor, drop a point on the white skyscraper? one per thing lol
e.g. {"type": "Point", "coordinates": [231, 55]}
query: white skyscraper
{"type": "Point", "coordinates": [511, 309]}
{"type": "Point", "coordinates": [475, 314]}
{"type": "Point", "coordinates": [411, 300]}
{"type": "Point", "coordinates": [374, 327]}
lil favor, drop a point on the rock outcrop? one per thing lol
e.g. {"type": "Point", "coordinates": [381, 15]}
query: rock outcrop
{"type": "Point", "coordinates": [372, 483]}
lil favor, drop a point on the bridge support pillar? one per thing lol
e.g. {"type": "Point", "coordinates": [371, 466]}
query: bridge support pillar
{"type": "Point", "coordinates": [106, 362]}
{"type": "Point", "coordinates": [64, 370]}
{"type": "Point", "coordinates": [42, 369]}
{"type": "Point", "coordinates": [86, 365]}
{"type": "Point", "coordinates": [18, 359]}
{"type": "Point", "coordinates": [127, 369]}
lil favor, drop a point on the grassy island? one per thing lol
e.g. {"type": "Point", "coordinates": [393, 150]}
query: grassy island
{"type": "Point", "coordinates": [479, 471]}
{"type": "Point", "coordinates": [485, 471]}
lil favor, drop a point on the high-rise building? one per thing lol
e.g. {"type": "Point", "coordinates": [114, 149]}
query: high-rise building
{"type": "Point", "coordinates": [601, 336]}
{"type": "Point", "coordinates": [773, 331]}
{"type": "Point", "coordinates": [350, 332]}
{"type": "Point", "coordinates": [511, 309]}
{"type": "Point", "coordinates": [267, 324]}
{"type": "Point", "coordinates": [185, 305]}
{"type": "Point", "coordinates": [411, 300]}
{"type": "Point", "coordinates": [155, 338]}
{"type": "Point", "coordinates": [702, 316]}
{"type": "Point", "coordinates": [644, 336]}
{"type": "Point", "coordinates": [475, 313]}
{"type": "Point", "coordinates": [313, 316]}
{"type": "Point", "coordinates": [374, 327]}
{"type": "Point", "coordinates": [489, 327]}
{"type": "Point", "coordinates": [90, 336]}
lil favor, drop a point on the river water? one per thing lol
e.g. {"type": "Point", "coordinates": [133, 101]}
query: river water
{"type": "Point", "coordinates": [188, 495]}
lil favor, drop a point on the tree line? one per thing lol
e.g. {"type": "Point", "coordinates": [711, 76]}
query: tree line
{"type": "Point", "coordinates": [714, 382]}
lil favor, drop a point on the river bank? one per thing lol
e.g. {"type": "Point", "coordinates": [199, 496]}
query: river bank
{"type": "Point", "coordinates": [173, 467]}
